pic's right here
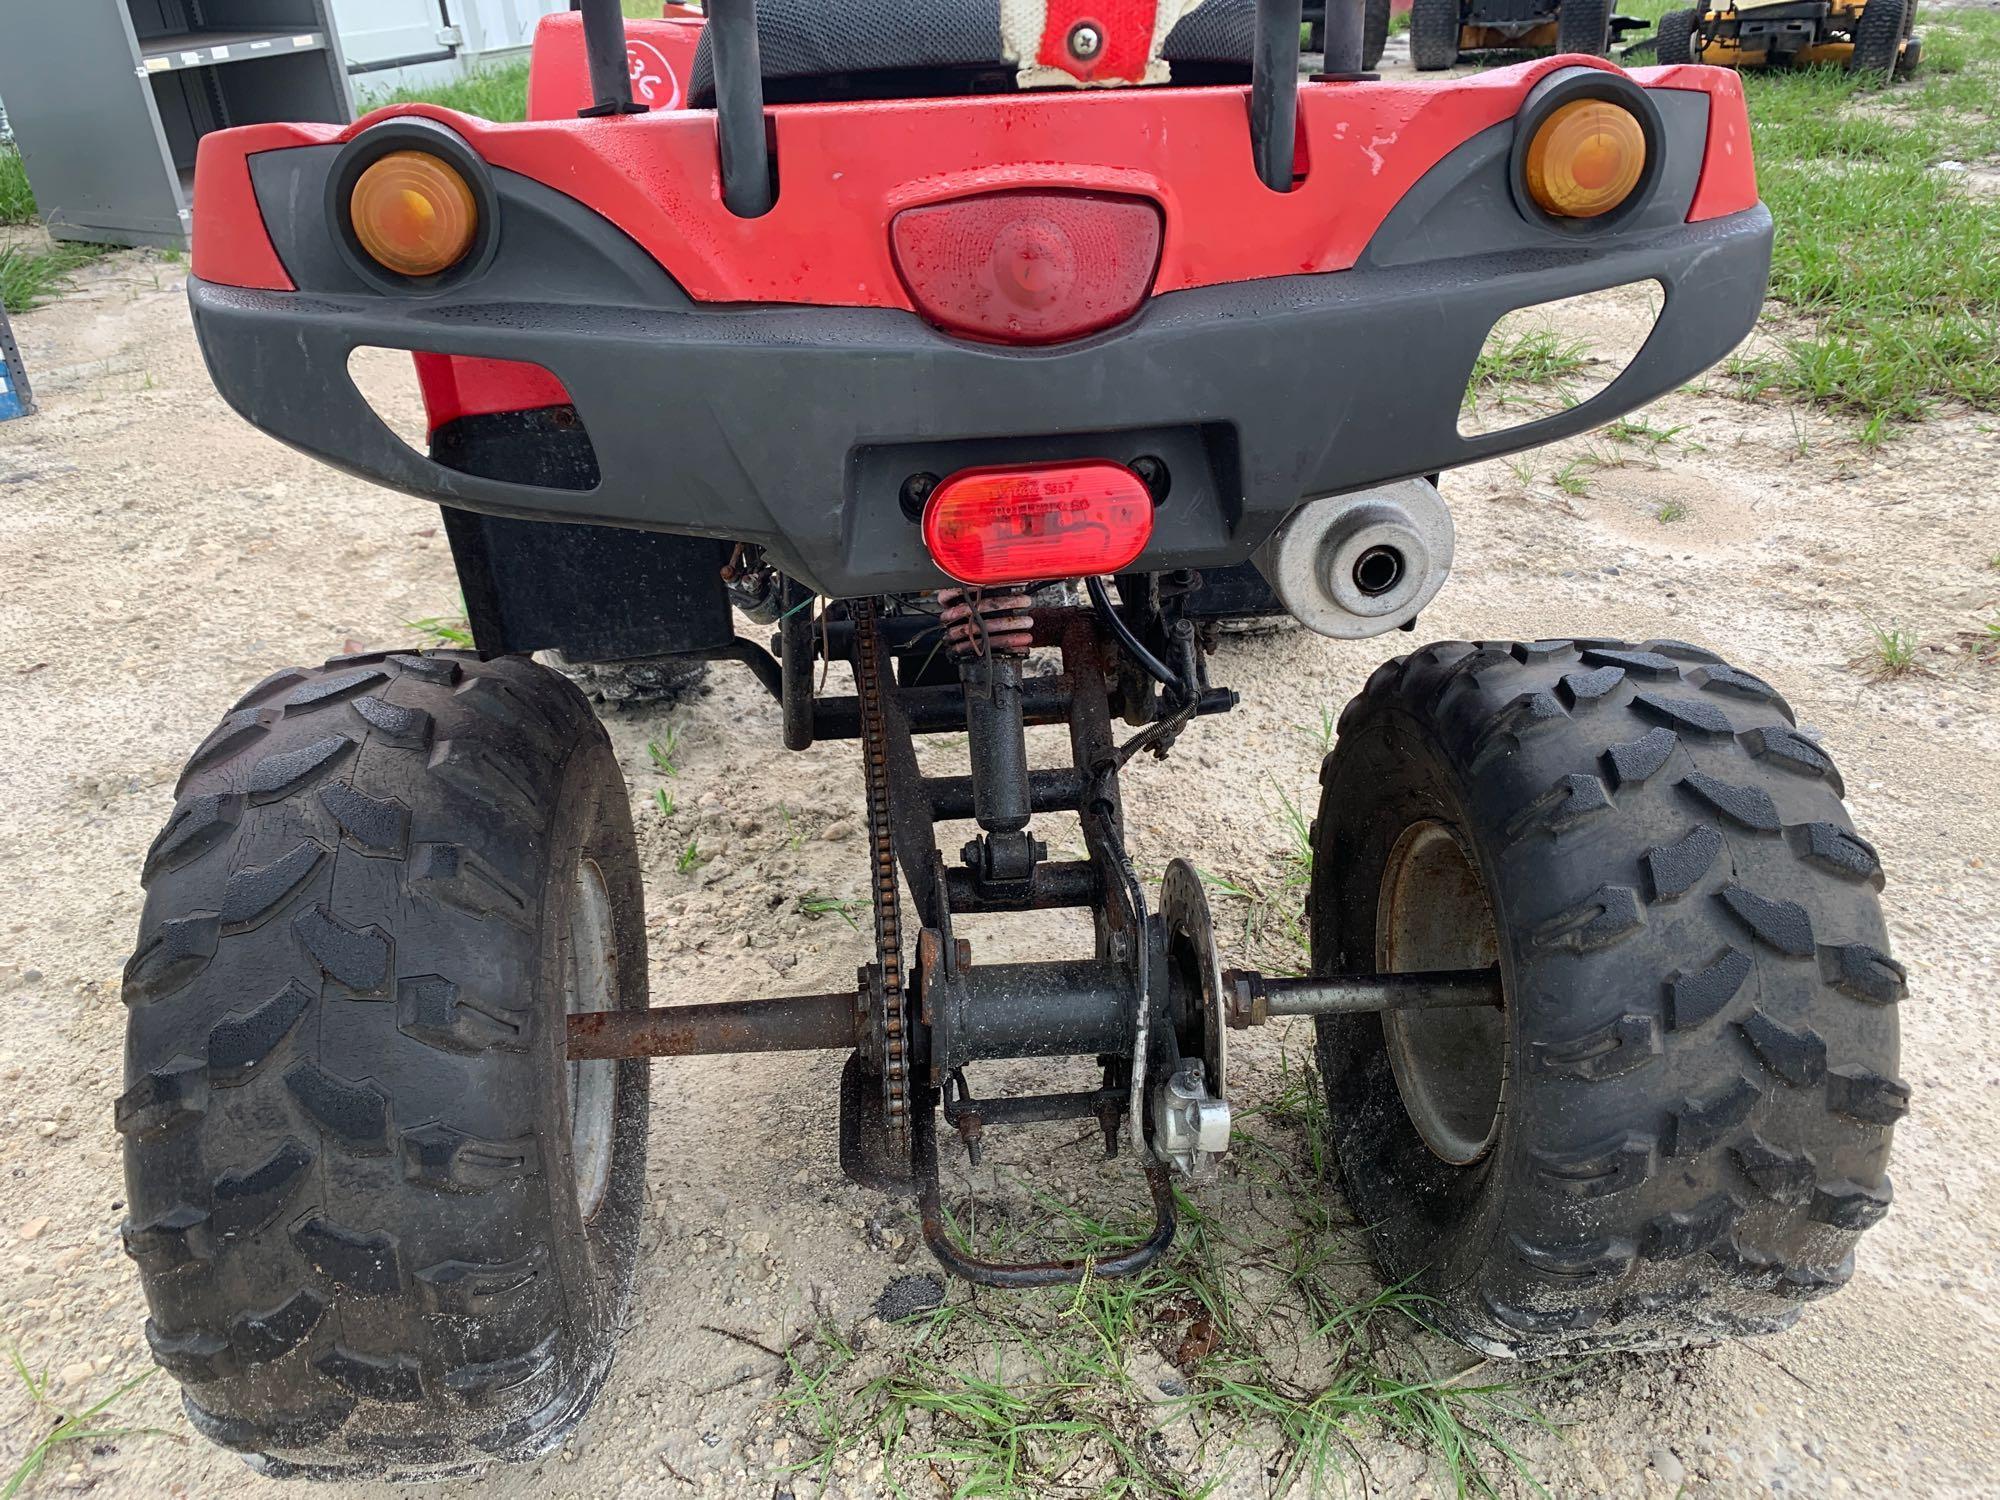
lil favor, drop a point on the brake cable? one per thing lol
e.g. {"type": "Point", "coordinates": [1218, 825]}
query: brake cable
{"type": "Point", "coordinates": [1135, 648]}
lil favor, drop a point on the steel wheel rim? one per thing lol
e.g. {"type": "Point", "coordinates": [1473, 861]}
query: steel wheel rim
{"type": "Point", "coordinates": [1450, 1066]}
{"type": "Point", "coordinates": [590, 983]}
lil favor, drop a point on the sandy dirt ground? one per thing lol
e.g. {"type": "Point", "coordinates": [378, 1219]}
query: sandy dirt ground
{"type": "Point", "coordinates": [159, 556]}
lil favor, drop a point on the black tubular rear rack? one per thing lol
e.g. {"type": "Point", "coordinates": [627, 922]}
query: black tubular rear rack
{"type": "Point", "coordinates": [1274, 91]}
{"type": "Point", "coordinates": [745, 148]}
{"type": "Point", "coordinates": [604, 51]}
{"type": "Point", "coordinates": [740, 138]}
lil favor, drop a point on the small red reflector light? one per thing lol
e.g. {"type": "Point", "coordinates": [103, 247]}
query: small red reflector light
{"type": "Point", "coordinates": [986, 526]}
{"type": "Point", "coordinates": [1028, 267]}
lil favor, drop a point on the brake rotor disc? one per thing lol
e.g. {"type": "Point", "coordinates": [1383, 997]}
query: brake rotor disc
{"type": "Point", "coordinates": [1196, 972]}
{"type": "Point", "coordinates": [1194, 988]}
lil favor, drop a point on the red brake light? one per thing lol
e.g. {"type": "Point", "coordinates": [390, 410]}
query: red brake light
{"type": "Point", "coordinates": [987, 526]}
{"type": "Point", "coordinates": [1028, 267]}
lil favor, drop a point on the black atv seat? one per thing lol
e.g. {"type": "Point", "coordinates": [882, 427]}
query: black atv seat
{"type": "Point", "coordinates": [827, 50]}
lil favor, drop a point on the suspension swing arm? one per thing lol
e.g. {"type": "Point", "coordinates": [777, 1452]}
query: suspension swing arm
{"type": "Point", "coordinates": [1151, 1005]}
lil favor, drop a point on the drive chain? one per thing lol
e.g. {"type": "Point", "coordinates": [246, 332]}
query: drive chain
{"type": "Point", "coordinates": [889, 1021]}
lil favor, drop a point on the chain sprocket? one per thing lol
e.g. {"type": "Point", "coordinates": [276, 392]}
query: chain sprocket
{"type": "Point", "coordinates": [889, 1017]}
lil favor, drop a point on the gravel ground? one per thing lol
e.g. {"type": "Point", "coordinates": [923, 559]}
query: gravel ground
{"type": "Point", "coordinates": [161, 556]}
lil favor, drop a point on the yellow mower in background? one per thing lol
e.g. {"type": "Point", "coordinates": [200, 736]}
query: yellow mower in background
{"type": "Point", "coordinates": [1873, 36]}
{"type": "Point", "coordinates": [1444, 32]}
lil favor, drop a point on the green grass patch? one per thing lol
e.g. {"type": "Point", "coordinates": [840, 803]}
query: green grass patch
{"type": "Point", "coordinates": [30, 277]}
{"type": "Point", "coordinates": [1540, 360]}
{"type": "Point", "coordinates": [17, 199]}
{"type": "Point", "coordinates": [1892, 651]}
{"type": "Point", "coordinates": [1259, 1345]}
{"type": "Point", "coordinates": [812, 906]}
{"type": "Point", "coordinates": [454, 632]}
{"type": "Point", "coordinates": [1272, 900]}
{"type": "Point", "coordinates": [1321, 733]}
{"type": "Point", "coordinates": [31, 274]}
{"type": "Point", "coordinates": [1536, 357]}
{"type": "Point", "coordinates": [1573, 478]}
{"type": "Point", "coordinates": [1891, 265]}
{"type": "Point", "coordinates": [489, 94]}
{"type": "Point", "coordinates": [1983, 641]}
{"type": "Point", "coordinates": [62, 1429]}
{"type": "Point", "coordinates": [1649, 438]}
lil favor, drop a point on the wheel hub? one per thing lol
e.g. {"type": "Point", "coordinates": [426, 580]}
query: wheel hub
{"type": "Point", "coordinates": [1449, 1064]}
{"type": "Point", "coordinates": [590, 984]}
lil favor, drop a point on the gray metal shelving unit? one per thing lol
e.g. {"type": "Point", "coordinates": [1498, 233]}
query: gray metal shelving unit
{"type": "Point", "coordinates": [109, 98]}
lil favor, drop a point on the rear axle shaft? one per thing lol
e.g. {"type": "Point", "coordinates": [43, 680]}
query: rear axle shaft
{"type": "Point", "coordinates": [1008, 1005]}
{"type": "Point", "coordinates": [1252, 999]}
{"type": "Point", "coordinates": [787, 1023]}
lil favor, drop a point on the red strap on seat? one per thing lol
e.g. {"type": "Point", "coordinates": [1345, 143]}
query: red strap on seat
{"type": "Point", "coordinates": [1089, 41]}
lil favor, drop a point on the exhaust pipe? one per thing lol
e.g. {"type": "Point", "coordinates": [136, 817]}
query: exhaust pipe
{"type": "Point", "coordinates": [1351, 566]}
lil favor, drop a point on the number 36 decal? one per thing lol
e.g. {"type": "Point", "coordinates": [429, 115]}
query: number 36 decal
{"type": "Point", "coordinates": [653, 82]}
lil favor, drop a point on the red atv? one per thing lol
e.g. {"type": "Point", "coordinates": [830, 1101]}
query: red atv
{"type": "Point", "coordinates": [870, 318]}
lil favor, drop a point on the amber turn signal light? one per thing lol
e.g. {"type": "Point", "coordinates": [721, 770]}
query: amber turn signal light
{"type": "Point", "coordinates": [1585, 159]}
{"type": "Point", "coordinates": [414, 213]}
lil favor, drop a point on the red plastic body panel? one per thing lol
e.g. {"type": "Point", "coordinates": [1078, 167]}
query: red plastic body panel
{"type": "Point", "coordinates": [848, 169]}
{"type": "Point", "coordinates": [659, 56]}
{"type": "Point", "coordinates": [231, 245]}
{"type": "Point", "coordinates": [660, 60]}
{"type": "Point", "coordinates": [455, 386]}
{"type": "Point", "coordinates": [1728, 182]}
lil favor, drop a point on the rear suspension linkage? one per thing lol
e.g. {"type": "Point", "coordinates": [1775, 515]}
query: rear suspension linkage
{"type": "Point", "coordinates": [1152, 1005]}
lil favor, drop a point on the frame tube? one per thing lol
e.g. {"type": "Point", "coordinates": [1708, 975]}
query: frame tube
{"type": "Point", "coordinates": [604, 50]}
{"type": "Point", "coordinates": [739, 108]}
{"type": "Point", "coordinates": [1274, 91]}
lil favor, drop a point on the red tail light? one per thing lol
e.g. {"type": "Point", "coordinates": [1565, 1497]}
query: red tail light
{"type": "Point", "coordinates": [986, 526]}
{"type": "Point", "coordinates": [1028, 267]}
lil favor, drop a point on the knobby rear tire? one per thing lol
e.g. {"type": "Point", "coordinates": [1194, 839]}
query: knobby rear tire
{"type": "Point", "coordinates": [1700, 1032]}
{"type": "Point", "coordinates": [348, 1145]}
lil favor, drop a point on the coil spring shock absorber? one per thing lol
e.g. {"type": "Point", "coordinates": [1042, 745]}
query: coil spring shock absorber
{"type": "Point", "coordinates": [978, 624]}
{"type": "Point", "coordinates": [989, 637]}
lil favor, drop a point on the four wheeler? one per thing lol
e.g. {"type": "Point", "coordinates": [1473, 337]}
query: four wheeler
{"type": "Point", "coordinates": [1443, 31]}
{"type": "Point", "coordinates": [1872, 36]}
{"type": "Point", "coordinates": [941, 360]}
